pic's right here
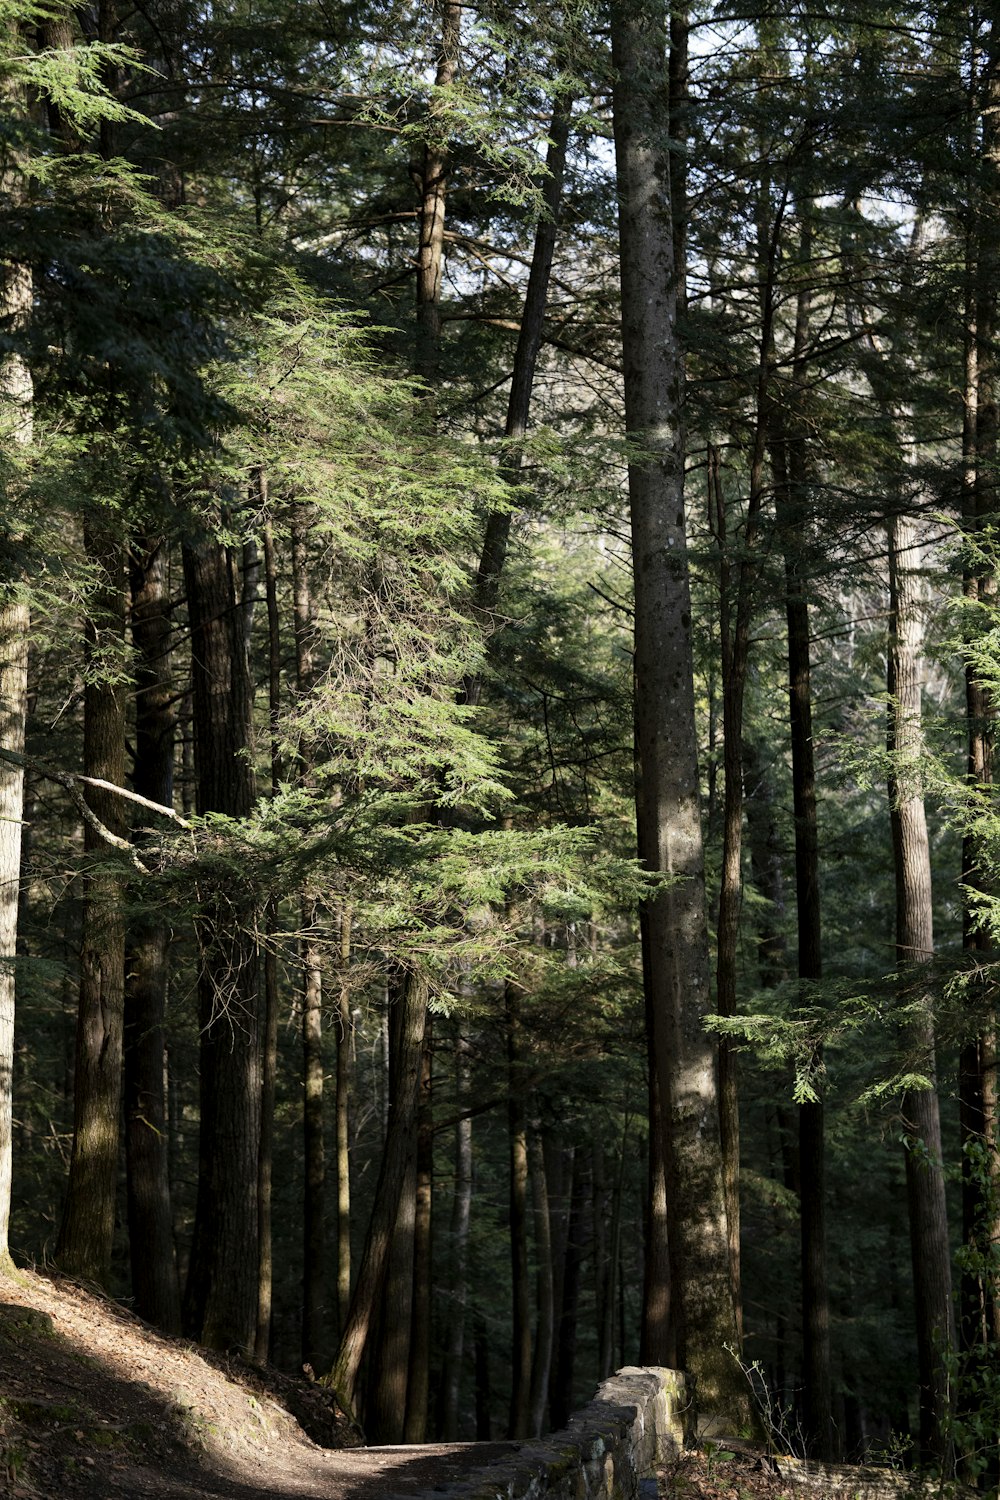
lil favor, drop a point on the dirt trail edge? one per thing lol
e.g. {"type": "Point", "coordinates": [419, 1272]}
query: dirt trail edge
{"type": "Point", "coordinates": [95, 1403]}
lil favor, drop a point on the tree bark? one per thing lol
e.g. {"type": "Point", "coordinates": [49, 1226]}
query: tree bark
{"type": "Point", "coordinates": [925, 1186]}
{"type": "Point", "coordinates": [342, 1106]}
{"type": "Point", "coordinates": [155, 1286]}
{"type": "Point", "coordinates": [529, 342]}
{"type": "Point", "coordinates": [430, 251]}
{"type": "Point", "coordinates": [314, 1297]}
{"type": "Point", "coordinates": [674, 931]}
{"type": "Point", "coordinates": [461, 1216]}
{"type": "Point", "coordinates": [87, 1230]}
{"type": "Point", "coordinates": [565, 1361]}
{"type": "Point", "coordinates": [541, 1359]}
{"type": "Point", "coordinates": [222, 1294]}
{"type": "Point", "coordinates": [518, 1421]}
{"type": "Point", "coordinates": [418, 1383]}
{"type": "Point", "coordinates": [17, 393]}
{"type": "Point", "coordinates": [411, 1000]}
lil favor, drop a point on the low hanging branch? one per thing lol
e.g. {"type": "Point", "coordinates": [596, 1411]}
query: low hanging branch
{"type": "Point", "coordinates": [73, 781]}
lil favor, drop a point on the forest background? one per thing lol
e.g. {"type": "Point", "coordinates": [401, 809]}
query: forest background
{"type": "Point", "coordinates": [358, 362]}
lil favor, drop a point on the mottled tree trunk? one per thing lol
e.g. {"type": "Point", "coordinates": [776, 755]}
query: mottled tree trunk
{"type": "Point", "coordinates": [674, 930]}
{"type": "Point", "coordinates": [16, 393]}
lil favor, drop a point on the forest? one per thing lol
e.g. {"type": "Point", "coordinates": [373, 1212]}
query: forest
{"type": "Point", "coordinates": [499, 671]}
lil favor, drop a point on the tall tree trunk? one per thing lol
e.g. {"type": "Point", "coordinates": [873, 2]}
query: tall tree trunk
{"type": "Point", "coordinates": [269, 1049]}
{"type": "Point", "coordinates": [155, 1286]}
{"type": "Point", "coordinates": [17, 394]}
{"type": "Point", "coordinates": [979, 1322]}
{"type": "Point", "coordinates": [529, 343]}
{"type": "Point", "coordinates": [461, 1216]}
{"type": "Point", "coordinates": [518, 1200]}
{"type": "Point", "coordinates": [314, 1147]}
{"type": "Point", "coordinates": [385, 1418]}
{"type": "Point", "coordinates": [541, 1358]}
{"type": "Point", "coordinates": [410, 1001]}
{"type": "Point", "coordinates": [85, 1237]}
{"type": "Point", "coordinates": [418, 1383]}
{"type": "Point", "coordinates": [344, 1039]}
{"type": "Point", "coordinates": [674, 932]}
{"type": "Point", "coordinates": [430, 251]}
{"type": "Point", "coordinates": [914, 948]}
{"type": "Point", "coordinates": [565, 1365]}
{"type": "Point", "coordinates": [222, 1294]}
{"type": "Point", "coordinates": [791, 481]}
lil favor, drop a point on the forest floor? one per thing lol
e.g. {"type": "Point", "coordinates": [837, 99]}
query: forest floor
{"type": "Point", "coordinates": [95, 1403]}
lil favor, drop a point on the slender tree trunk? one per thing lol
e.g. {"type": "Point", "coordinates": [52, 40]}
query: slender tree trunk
{"type": "Point", "coordinates": [914, 948]}
{"type": "Point", "coordinates": [314, 1146]}
{"type": "Point", "coordinates": [541, 1360]}
{"type": "Point", "coordinates": [461, 1217]}
{"type": "Point", "coordinates": [565, 1367]}
{"type": "Point", "coordinates": [17, 394]}
{"type": "Point", "coordinates": [791, 477]}
{"type": "Point", "coordinates": [484, 1389]}
{"type": "Point", "coordinates": [418, 1383]}
{"type": "Point", "coordinates": [529, 343]}
{"type": "Point", "coordinates": [979, 1320]}
{"type": "Point", "coordinates": [344, 1038]}
{"type": "Point", "coordinates": [518, 1198]}
{"type": "Point", "coordinates": [155, 1286]}
{"type": "Point", "coordinates": [411, 1000]}
{"type": "Point", "coordinates": [85, 1237]}
{"type": "Point", "coordinates": [222, 1294]}
{"type": "Point", "coordinates": [269, 1050]}
{"type": "Point", "coordinates": [674, 932]}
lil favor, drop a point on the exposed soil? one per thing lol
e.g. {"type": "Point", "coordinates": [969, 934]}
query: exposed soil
{"type": "Point", "coordinates": [93, 1402]}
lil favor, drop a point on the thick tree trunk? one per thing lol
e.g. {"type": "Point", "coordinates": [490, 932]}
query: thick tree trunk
{"type": "Point", "coordinates": [915, 947]}
{"type": "Point", "coordinates": [17, 394]}
{"type": "Point", "coordinates": [155, 1287]}
{"type": "Point", "coordinates": [674, 930]}
{"type": "Point", "coordinates": [222, 1294]}
{"type": "Point", "coordinates": [385, 1418]}
{"type": "Point", "coordinates": [85, 1237]}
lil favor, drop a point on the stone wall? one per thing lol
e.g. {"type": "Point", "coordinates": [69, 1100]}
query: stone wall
{"type": "Point", "coordinates": [607, 1452]}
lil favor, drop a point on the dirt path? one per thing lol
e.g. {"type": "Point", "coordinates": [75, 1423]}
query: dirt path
{"type": "Point", "coordinates": [94, 1403]}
